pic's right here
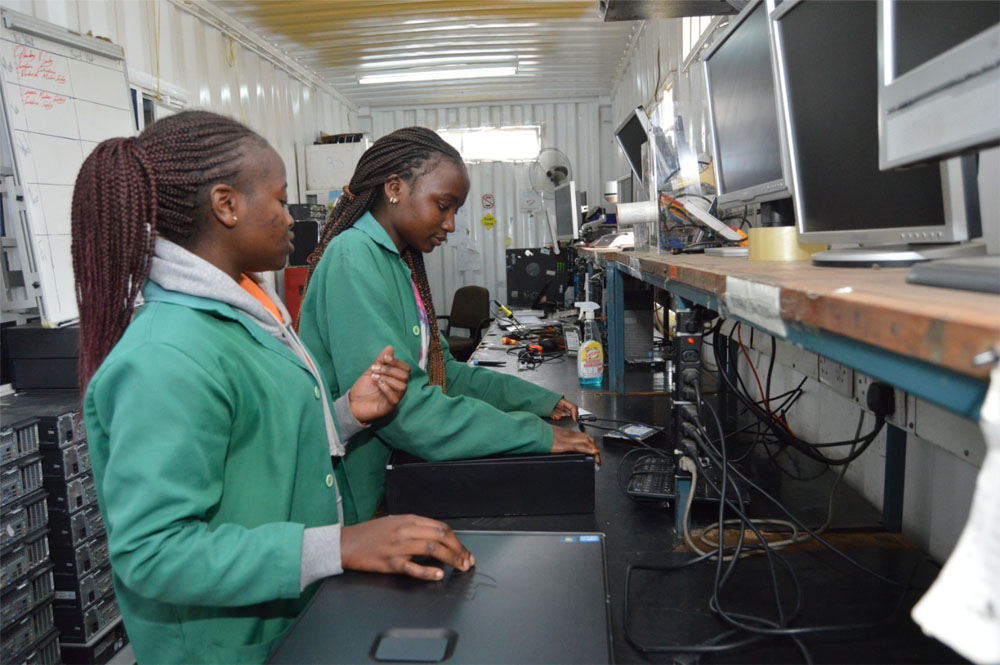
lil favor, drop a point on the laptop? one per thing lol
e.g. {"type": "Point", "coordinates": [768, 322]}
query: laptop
{"type": "Point", "coordinates": [532, 598]}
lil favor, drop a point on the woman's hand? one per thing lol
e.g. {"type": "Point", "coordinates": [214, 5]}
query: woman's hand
{"type": "Point", "coordinates": [388, 545]}
{"type": "Point", "coordinates": [377, 392]}
{"type": "Point", "coordinates": [568, 441]}
{"type": "Point", "coordinates": [565, 408]}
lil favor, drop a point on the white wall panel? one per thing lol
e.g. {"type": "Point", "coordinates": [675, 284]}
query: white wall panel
{"type": "Point", "coordinates": [573, 126]}
{"type": "Point", "coordinates": [213, 71]}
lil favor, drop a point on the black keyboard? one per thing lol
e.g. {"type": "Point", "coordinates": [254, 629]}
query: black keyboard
{"type": "Point", "coordinates": [653, 478]}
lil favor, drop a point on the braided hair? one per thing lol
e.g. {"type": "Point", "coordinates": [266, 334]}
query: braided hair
{"type": "Point", "coordinates": [128, 191]}
{"type": "Point", "coordinates": [406, 153]}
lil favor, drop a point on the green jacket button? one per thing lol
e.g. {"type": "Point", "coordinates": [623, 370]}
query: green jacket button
{"type": "Point", "coordinates": [316, 392]}
{"type": "Point", "coordinates": [329, 480]}
{"type": "Point", "coordinates": [416, 330]}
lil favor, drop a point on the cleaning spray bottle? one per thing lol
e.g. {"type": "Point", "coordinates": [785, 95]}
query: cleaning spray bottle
{"type": "Point", "coordinates": [590, 357]}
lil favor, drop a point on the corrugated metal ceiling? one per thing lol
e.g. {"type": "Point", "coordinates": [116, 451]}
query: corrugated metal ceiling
{"type": "Point", "coordinates": [562, 49]}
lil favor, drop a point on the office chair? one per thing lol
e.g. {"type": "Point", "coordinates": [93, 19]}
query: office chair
{"type": "Point", "coordinates": [470, 309]}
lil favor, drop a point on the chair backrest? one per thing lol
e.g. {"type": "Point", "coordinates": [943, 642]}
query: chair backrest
{"type": "Point", "coordinates": [469, 307]}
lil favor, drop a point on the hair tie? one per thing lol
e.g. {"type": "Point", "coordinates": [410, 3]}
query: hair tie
{"type": "Point", "coordinates": [348, 193]}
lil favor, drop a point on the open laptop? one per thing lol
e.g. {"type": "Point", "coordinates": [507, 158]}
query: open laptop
{"type": "Point", "coordinates": [532, 598]}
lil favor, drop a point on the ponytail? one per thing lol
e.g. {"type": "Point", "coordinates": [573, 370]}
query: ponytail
{"type": "Point", "coordinates": [127, 192]}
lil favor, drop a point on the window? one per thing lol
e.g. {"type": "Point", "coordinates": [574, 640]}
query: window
{"type": "Point", "coordinates": [692, 28]}
{"type": "Point", "coordinates": [495, 144]}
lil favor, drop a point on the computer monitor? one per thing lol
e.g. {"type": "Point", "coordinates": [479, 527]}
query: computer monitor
{"type": "Point", "coordinates": [939, 79]}
{"type": "Point", "coordinates": [827, 59]}
{"type": "Point", "coordinates": [751, 159]}
{"type": "Point", "coordinates": [567, 211]}
{"type": "Point", "coordinates": [631, 135]}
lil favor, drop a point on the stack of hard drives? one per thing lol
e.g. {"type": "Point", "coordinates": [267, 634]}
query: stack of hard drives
{"type": "Point", "coordinates": [27, 630]}
{"type": "Point", "coordinates": [84, 608]}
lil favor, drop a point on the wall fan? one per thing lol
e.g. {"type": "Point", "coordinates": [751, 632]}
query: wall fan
{"type": "Point", "coordinates": [551, 169]}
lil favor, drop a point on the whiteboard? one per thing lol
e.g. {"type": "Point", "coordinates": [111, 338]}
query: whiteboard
{"type": "Point", "coordinates": [329, 166]}
{"type": "Point", "coordinates": [62, 95]}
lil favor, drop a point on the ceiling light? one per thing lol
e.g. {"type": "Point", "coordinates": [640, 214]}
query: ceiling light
{"type": "Point", "coordinates": [439, 60]}
{"type": "Point", "coordinates": [437, 75]}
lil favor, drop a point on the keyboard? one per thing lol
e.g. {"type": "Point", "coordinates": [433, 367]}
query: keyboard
{"type": "Point", "coordinates": [653, 478]}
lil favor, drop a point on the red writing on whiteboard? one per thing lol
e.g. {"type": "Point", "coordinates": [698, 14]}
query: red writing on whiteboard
{"type": "Point", "coordinates": [35, 64]}
{"type": "Point", "coordinates": [45, 100]}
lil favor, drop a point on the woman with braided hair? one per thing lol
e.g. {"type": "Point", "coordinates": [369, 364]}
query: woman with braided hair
{"type": "Point", "coordinates": [209, 425]}
{"type": "Point", "coordinates": [367, 280]}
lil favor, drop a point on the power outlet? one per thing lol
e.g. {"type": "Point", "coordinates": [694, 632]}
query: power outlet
{"type": "Point", "coordinates": [839, 377]}
{"type": "Point", "coordinates": [687, 342]}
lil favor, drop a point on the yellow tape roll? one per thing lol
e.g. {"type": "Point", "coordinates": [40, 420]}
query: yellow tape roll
{"type": "Point", "coordinates": [779, 243]}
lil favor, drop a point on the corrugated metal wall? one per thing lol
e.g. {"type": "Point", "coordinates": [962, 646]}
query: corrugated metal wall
{"type": "Point", "coordinates": [575, 127]}
{"type": "Point", "coordinates": [200, 64]}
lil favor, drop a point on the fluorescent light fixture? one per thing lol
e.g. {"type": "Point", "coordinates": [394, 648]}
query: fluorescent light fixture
{"type": "Point", "coordinates": [446, 60]}
{"type": "Point", "coordinates": [438, 75]}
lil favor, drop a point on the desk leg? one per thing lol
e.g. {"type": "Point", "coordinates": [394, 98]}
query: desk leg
{"type": "Point", "coordinates": [895, 474]}
{"type": "Point", "coordinates": [614, 317]}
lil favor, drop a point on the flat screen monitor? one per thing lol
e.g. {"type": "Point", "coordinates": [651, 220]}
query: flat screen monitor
{"type": "Point", "coordinates": [567, 211]}
{"type": "Point", "coordinates": [631, 135]}
{"type": "Point", "coordinates": [939, 79]}
{"type": "Point", "coordinates": [751, 158]}
{"type": "Point", "coordinates": [828, 82]}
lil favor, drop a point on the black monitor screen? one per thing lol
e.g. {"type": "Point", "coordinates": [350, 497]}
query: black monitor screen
{"type": "Point", "coordinates": [744, 111]}
{"type": "Point", "coordinates": [830, 59]}
{"type": "Point", "coordinates": [631, 136]}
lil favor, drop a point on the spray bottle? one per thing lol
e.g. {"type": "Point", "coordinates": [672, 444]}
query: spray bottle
{"type": "Point", "coordinates": [590, 357]}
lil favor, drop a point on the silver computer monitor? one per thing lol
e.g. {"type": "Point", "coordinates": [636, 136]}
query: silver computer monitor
{"type": "Point", "coordinates": [939, 79]}
{"type": "Point", "coordinates": [751, 159]}
{"type": "Point", "coordinates": [828, 83]}
{"type": "Point", "coordinates": [567, 211]}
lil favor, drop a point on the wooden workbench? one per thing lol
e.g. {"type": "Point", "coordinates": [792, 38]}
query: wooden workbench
{"type": "Point", "coordinates": [853, 315]}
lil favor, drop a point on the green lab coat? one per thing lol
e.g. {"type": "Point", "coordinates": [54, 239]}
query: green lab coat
{"type": "Point", "coordinates": [210, 456]}
{"type": "Point", "coordinates": [360, 299]}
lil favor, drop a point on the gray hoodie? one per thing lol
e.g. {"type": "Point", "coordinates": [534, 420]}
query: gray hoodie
{"type": "Point", "coordinates": [176, 269]}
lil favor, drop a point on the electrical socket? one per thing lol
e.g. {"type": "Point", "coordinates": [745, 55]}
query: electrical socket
{"type": "Point", "coordinates": [839, 377]}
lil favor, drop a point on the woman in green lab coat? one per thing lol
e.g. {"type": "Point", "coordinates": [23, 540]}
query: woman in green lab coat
{"type": "Point", "coordinates": [209, 424]}
{"type": "Point", "coordinates": [368, 283]}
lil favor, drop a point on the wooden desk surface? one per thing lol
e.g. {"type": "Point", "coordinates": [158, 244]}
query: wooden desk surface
{"type": "Point", "coordinates": [945, 327]}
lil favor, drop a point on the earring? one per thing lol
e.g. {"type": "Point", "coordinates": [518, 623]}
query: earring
{"type": "Point", "coordinates": [393, 199]}
{"type": "Point", "coordinates": [235, 219]}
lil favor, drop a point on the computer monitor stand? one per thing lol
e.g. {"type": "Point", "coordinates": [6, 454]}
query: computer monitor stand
{"type": "Point", "coordinates": [895, 256]}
